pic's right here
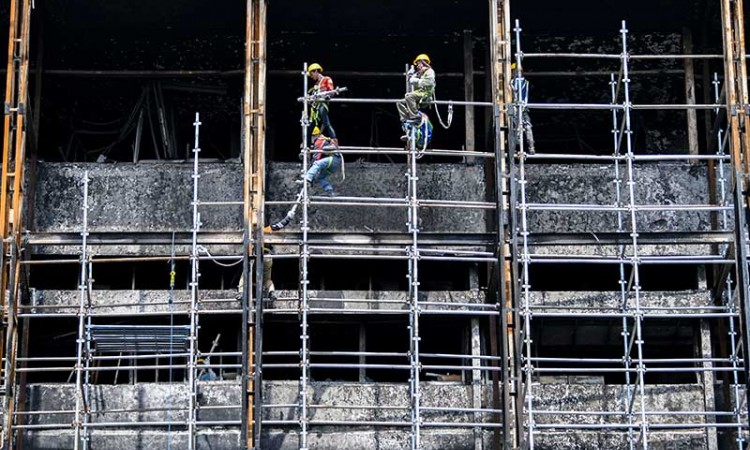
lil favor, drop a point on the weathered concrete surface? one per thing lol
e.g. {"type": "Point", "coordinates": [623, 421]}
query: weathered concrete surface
{"type": "Point", "coordinates": [666, 301]}
{"type": "Point", "coordinates": [156, 197]}
{"type": "Point", "coordinates": [352, 398]}
{"type": "Point", "coordinates": [136, 197]}
{"type": "Point", "coordinates": [375, 300]}
{"type": "Point", "coordinates": [155, 397]}
{"type": "Point", "coordinates": [156, 301]}
{"type": "Point", "coordinates": [132, 302]}
{"type": "Point", "coordinates": [206, 439]}
{"type": "Point", "coordinates": [436, 182]}
{"type": "Point", "coordinates": [656, 184]}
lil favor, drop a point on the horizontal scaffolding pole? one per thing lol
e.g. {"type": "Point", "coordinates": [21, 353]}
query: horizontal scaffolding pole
{"type": "Point", "coordinates": [618, 56]}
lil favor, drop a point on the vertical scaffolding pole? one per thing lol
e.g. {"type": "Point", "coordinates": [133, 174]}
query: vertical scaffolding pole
{"type": "Point", "coordinates": [728, 296]}
{"type": "Point", "coordinates": [635, 262]}
{"type": "Point", "coordinates": [616, 136]}
{"type": "Point", "coordinates": [11, 197]}
{"type": "Point", "coordinates": [194, 276]}
{"type": "Point", "coordinates": [82, 413]}
{"type": "Point", "coordinates": [519, 138]}
{"type": "Point", "coordinates": [413, 279]}
{"type": "Point", "coordinates": [303, 273]}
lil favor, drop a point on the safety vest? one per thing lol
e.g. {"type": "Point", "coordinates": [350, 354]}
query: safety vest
{"type": "Point", "coordinates": [323, 144]}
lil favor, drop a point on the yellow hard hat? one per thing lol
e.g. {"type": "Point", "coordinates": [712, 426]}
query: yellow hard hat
{"type": "Point", "coordinates": [422, 57]}
{"type": "Point", "coordinates": [201, 361]}
{"type": "Point", "coordinates": [314, 66]}
{"type": "Point", "coordinates": [513, 66]}
{"type": "Point", "coordinates": [316, 131]}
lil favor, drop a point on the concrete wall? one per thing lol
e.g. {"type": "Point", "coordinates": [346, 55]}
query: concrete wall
{"type": "Point", "coordinates": [139, 198]}
{"type": "Point", "coordinates": [278, 435]}
{"type": "Point", "coordinates": [656, 184]}
{"type": "Point", "coordinates": [156, 197]}
{"type": "Point", "coordinates": [436, 182]}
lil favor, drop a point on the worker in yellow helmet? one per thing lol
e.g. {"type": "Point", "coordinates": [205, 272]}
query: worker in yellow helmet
{"type": "Point", "coordinates": [326, 161]}
{"type": "Point", "coordinates": [319, 109]}
{"type": "Point", "coordinates": [422, 83]}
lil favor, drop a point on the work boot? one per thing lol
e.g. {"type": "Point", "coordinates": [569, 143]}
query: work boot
{"type": "Point", "coordinates": [531, 150]}
{"type": "Point", "coordinates": [331, 193]}
{"type": "Point", "coordinates": [404, 138]}
{"type": "Point", "coordinates": [302, 181]}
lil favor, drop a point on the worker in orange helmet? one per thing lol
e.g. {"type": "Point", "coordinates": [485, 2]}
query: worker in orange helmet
{"type": "Point", "coordinates": [319, 109]}
{"type": "Point", "coordinates": [422, 82]}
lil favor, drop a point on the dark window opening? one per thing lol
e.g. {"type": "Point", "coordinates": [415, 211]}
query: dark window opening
{"type": "Point", "coordinates": [55, 338]}
{"type": "Point", "coordinates": [606, 277]}
{"type": "Point", "coordinates": [372, 275]}
{"type": "Point", "coordinates": [386, 342]}
{"type": "Point", "coordinates": [585, 339]}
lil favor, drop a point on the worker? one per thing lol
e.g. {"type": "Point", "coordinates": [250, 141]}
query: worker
{"type": "Point", "coordinates": [205, 372]}
{"type": "Point", "coordinates": [422, 82]}
{"type": "Point", "coordinates": [326, 161]}
{"type": "Point", "coordinates": [520, 90]}
{"type": "Point", "coordinates": [319, 109]}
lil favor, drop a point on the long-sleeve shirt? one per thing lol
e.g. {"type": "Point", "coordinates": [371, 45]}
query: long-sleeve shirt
{"type": "Point", "coordinates": [426, 83]}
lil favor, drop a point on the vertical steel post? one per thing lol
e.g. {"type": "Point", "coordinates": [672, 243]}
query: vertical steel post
{"type": "Point", "coordinates": [635, 261]}
{"type": "Point", "coordinates": [194, 304]}
{"type": "Point", "coordinates": [628, 389]}
{"type": "Point", "coordinates": [304, 281]}
{"type": "Point", "coordinates": [81, 438]}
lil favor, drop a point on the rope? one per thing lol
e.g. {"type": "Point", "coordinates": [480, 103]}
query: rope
{"type": "Point", "coordinates": [437, 112]}
{"type": "Point", "coordinates": [215, 261]}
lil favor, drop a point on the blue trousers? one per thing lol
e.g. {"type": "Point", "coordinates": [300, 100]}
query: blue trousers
{"type": "Point", "coordinates": [322, 168]}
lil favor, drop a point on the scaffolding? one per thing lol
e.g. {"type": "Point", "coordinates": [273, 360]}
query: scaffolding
{"type": "Point", "coordinates": [639, 415]}
{"type": "Point", "coordinates": [504, 377]}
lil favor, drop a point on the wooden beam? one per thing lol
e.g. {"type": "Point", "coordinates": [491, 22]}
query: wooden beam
{"type": "Point", "coordinates": [692, 115]}
{"type": "Point", "coordinates": [469, 94]}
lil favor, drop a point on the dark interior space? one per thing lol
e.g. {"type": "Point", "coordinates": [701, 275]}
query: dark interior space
{"type": "Point", "coordinates": [180, 58]}
{"type": "Point", "coordinates": [381, 335]}
{"type": "Point", "coordinates": [105, 83]}
{"type": "Point", "coordinates": [371, 275]}
{"type": "Point", "coordinates": [140, 275]}
{"type": "Point", "coordinates": [606, 277]}
{"type": "Point", "coordinates": [602, 339]}
{"type": "Point", "coordinates": [56, 337]}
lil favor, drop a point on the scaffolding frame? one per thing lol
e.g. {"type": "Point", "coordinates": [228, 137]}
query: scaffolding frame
{"type": "Point", "coordinates": [637, 419]}
{"type": "Point", "coordinates": [516, 365]}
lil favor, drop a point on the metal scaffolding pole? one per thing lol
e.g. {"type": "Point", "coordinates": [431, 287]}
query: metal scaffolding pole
{"type": "Point", "coordinates": [413, 279]}
{"type": "Point", "coordinates": [520, 105]}
{"type": "Point", "coordinates": [83, 342]}
{"type": "Point", "coordinates": [304, 275]}
{"type": "Point", "coordinates": [194, 301]}
{"type": "Point", "coordinates": [635, 267]}
{"type": "Point", "coordinates": [628, 391]}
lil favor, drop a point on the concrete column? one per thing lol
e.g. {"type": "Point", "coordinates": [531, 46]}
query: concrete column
{"type": "Point", "coordinates": [708, 381]}
{"type": "Point", "coordinates": [469, 94]}
{"type": "Point", "coordinates": [476, 379]}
